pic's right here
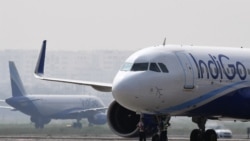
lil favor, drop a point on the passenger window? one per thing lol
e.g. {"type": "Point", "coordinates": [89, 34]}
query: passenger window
{"type": "Point", "coordinates": [140, 67]}
{"type": "Point", "coordinates": [163, 67]}
{"type": "Point", "coordinates": [154, 67]}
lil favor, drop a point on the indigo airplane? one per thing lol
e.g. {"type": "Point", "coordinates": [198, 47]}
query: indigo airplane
{"type": "Point", "coordinates": [159, 82]}
{"type": "Point", "coordinates": [43, 108]}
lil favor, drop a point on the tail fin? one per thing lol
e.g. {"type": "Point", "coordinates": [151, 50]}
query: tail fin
{"type": "Point", "coordinates": [16, 82]}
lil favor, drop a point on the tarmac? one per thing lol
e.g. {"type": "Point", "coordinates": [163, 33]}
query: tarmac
{"type": "Point", "coordinates": [64, 138]}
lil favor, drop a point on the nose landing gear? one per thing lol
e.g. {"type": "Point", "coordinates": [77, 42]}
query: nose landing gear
{"type": "Point", "coordinates": [200, 134]}
{"type": "Point", "coordinates": [163, 124]}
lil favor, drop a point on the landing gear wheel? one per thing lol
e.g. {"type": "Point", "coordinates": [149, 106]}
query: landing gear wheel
{"type": "Point", "coordinates": [36, 126]}
{"type": "Point", "coordinates": [77, 125]}
{"type": "Point", "coordinates": [156, 137]}
{"type": "Point", "coordinates": [210, 135]}
{"type": "Point", "coordinates": [163, 136]}
{"type": "Point", "coordinates": [39, 126]}
{"type": "Point", "coordinates": [196, 135]}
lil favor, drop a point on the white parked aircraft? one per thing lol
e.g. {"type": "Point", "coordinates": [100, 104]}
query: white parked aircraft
{"type": "Point", "coordinates": [172, 80]}
{"type": "Point", "coordinates": [43, 108]}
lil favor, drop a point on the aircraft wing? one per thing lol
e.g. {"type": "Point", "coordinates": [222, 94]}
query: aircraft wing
{"type": "Point", "coordinates": [83, 112]}
{"type": "Point", "coordinates": [88, 110]}
{"type": "Point", "coordinates": [39, 73]}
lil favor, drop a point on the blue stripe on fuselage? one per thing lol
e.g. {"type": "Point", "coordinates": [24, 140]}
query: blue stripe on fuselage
{"type": "Point", "coordinates": [200, 99]}
{"type": "Point", "coordinates": [235, 104]}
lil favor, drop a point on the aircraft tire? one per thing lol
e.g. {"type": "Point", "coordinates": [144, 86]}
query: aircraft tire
{"type": "Point", "coordinates": [210, 135]}
{"type": "Point", "coordinates": [155, 137]}
{"type": "Point", "coordinates": [196, 135]}
{"type": "Point", "coordinates": [77, 125]}
{"type": "Point", "coordinates": [36, 126]}
{"type": "Point", "coordinates": [39, 126]}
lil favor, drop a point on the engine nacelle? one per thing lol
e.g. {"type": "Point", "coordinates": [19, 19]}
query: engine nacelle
{"type": "Point", "coordinates": [123, 122]}
{"type": "Point", "coordinates": [99, 118]}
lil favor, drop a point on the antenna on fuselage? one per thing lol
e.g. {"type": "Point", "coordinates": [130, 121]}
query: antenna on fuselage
{"type": "Point", "coordinates": [164, 42]}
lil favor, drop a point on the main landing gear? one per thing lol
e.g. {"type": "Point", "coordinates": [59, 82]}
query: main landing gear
{"type": "Point", "coordinates": [196, 135]}
{"type": "Point", "coordinates": [163, 124]}
{"type": "Point", "coordinates": [201, 134]}
{"type": "Point", "coordinates": [77, 124]}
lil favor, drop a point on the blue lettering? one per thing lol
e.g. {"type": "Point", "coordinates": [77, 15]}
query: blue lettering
{"type": "Point", "coordinates": [196, 64]}
{"type": "Point", "coordinates": [217, 67]}
{"type": "Point", "coordinates": [229, 66]}
{"type": "Point", "coordinates": [241, 75]}
{"type": "Point", "coordinates": [202, 63]}
{"type": "Point", "coordinates": [210, 64]}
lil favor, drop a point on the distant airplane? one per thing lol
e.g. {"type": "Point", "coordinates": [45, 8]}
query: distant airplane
{"type": "Point", "coordinates": [43, 108]}
{"type": "Point", "coordinates": [156, 83]}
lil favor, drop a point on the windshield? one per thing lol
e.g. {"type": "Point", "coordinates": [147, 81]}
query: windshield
{"type": "Point", "coordinates": [126, 67]}
{"type": "Point", "coordinates": [156, 67]}
{"type": "Point", "coordinates": [140, 67]}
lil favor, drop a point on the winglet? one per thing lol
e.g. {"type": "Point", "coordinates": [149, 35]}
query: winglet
{"type": "Point", "coordinates": [39, 73]}
{"type": "Point", "coordinates": [39, 70]}
{"type": "Point", "coordinates": [164, 42]}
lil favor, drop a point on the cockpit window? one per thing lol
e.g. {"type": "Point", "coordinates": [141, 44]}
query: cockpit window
{"type": "Point", "coordinates": [163, 67]}
{"type": "Point", "coordinates": [139, 67]}
{"type": "Point", "coordinates": [126, 67]}
{"type": "Point", "coordinates": [154, 67]}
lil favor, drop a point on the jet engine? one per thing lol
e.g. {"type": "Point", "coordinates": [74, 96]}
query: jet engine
{"type": "Point", "coordinates": [123, 122]}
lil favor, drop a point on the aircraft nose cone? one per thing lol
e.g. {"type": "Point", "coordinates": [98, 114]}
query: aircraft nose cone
{"type": "Point", "coordinates": [125, 90]}
{"type": "Point", "coordinates": [120, 90]}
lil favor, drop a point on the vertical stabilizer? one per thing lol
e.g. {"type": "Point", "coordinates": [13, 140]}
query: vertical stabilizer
{"type": "Point", "coordinates": [16, 82]}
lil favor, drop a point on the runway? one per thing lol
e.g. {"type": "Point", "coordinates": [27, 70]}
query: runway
{"type": "Point", "coordinates": [64, 138]}
{"type": "Point", "coordinates": [61, 132]}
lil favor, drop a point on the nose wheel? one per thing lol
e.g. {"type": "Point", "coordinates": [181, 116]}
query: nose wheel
{"type": "Point", "coordinates": [200, 134]}
{"type": "Point", "coordinates": [163, 124]}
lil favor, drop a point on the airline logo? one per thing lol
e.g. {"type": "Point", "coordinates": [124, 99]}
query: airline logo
{"type": "Point", "coordinates": [216, 66]}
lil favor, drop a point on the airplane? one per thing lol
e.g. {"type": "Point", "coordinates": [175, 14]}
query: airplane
{"type": "Point", "coordinates": [43, 108]}
{"type": "Point", "coordinates": [157, 83]}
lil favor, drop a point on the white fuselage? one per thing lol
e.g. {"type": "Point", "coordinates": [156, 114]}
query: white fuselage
{"type": "Point", "coordinates": [54, 106]}
{"type": "Point", "coordinates": [195, 76]}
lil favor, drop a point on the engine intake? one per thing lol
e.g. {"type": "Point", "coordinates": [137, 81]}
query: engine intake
{"type": "Point", "coordinates": [123, 122]}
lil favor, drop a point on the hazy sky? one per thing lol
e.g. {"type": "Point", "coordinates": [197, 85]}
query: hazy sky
{"type": "Point", "coordinates": [127, 24]}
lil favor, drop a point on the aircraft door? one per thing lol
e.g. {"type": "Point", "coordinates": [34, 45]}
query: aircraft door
{"type": "Point", "coordinates": [187, 69]}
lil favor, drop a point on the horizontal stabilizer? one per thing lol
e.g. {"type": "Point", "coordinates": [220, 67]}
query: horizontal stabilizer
{"type": "Point", "coordinates": [7, 107]}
